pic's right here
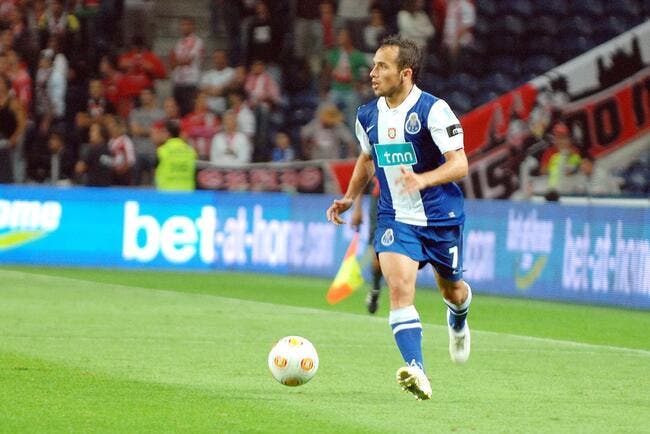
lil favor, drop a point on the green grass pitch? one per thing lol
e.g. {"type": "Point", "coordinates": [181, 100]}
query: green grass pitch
{"type": "Point", "coordinates": [85, 350]}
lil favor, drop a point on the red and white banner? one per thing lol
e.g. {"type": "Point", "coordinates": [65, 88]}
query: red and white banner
{"type": "Point", "coordinates": [603, 96]}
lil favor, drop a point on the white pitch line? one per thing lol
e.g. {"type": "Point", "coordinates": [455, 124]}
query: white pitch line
{"type": "Point", "coordinates": [550, 341]}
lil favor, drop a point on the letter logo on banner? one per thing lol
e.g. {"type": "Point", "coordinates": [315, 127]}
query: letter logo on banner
{"type": "Point", "coordinates": [176, 238]}
{"type": "Point", "coordinates": [23, 221]}
{"type": "Point", "coordinates": [533, 239]}
{"type": "Point", "coordinates": [620, 265]}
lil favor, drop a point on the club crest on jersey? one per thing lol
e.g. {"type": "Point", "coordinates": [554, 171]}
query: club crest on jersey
{"type": "Point", "coordinates": [392, 133]}
{"type": "Point", "coordinates": [388, 238]}
{"type": "Point", "coordinates": [413, 124]}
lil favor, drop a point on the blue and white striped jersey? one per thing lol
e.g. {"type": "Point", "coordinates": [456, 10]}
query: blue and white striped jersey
{"type": "Point", "coordinates": [414, 135]}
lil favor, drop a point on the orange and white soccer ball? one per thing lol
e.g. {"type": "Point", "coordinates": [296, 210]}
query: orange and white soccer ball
{"type": "Point", "coordinates": [293, 361]}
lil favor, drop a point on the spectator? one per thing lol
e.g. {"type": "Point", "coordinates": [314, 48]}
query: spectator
{"type": "Point", "coordinates": [230, 146]}
{"type": "Point", "coordinates": [374, 31]}
{"type": "Point", "coordinates": [176, 169]}
{"type": "Point", "coordinates": [97, 105]}
{"type": "Point", "coordinates": [58, 22]}
{"type": "Point", "coordinates": [245, 116]}
{"type": "Point", "coordinates": [216, 82]}
{"type": "Point", "coordinates": [12, 128]}
{"type": "Point", "coordinates": [141, 120]}
{"type": "Point", "coordinates": [239, 81]}
{"type": "Point", "coordinates": [142, 59]}
{"type": "Point", "coordinates": [330, 25]}
{"type": "Point", "coordinates": [94, 168]}
{"type": "Point", "coordinates": [141, 68]}
{"type": "Point", "coordinates": [171, 113]}
{"type": "Point", "coordinates": [60, 159]}
{"type": "Point", "coordinates": [21, 81]}
{"type": "Point", "coordinates": [283, 151]}
{"type": "Point", "coordinates": [326, 136]}
{"type": "Point", "coordinates": [49, 109]}
{"type": "Point", "coordinates": [185, 60]}
{"type": "Point", "coordinates": [264, 96]}
{"type": "Point", "coordinates": [354, 12]}
{"type": "Point", "coordinates": [263, 39]}
{"type": "Point", "coordinates": [307, 33]}
{"type": "Point", "coordinates": [200, 126]}
{"type": "Point", "coordinates": [414, 23]}
{"type": "Point", "coordinates": [22, 39]}
{"type": "Point", "coordinates": [226, 22]}
{"type": "Point", "coordinates": [560, 160]}
{"type": "Point", "coordinates": [122, 151]}
{"type": "Point", "coordinates": [592, 180]}
{"type": "Point", "coordinates": [113, 81]}
{"type": "Point", "coordinates": [50, 88]}
{"type": "Point", "coordinates": [460, 17]}
{"type": "Point", "coordinates": [344, 68]}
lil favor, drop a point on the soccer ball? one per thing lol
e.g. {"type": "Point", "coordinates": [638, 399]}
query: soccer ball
{"type": "Point", "coordinates": [293, 361]}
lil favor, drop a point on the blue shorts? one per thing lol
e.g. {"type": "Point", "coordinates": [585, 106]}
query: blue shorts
{"type": "Point", "coordinates": [440, 246]}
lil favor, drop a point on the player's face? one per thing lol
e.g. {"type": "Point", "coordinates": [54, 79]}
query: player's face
{"type": "Point", "coordinates": [386, 77]}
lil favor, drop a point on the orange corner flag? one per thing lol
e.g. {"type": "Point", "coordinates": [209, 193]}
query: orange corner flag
{"type": "Point", "coordinates": [349, 277]}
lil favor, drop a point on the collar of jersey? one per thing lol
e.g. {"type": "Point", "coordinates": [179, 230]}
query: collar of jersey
{"type": "Point", "coordinates": [405, 106]}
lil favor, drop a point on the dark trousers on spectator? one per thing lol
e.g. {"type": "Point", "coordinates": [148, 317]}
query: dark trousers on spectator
{"type": "Point", "coordinates": [6, 167]}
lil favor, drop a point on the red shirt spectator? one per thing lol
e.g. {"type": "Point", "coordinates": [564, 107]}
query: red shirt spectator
{"type": "Point", "coordinates": [141, 60]}
{"type": "Point", "coordinates": [200, 126]}
{"type": "Point", "coordinates": [21, 81]}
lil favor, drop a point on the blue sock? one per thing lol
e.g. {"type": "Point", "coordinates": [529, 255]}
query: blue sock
{"type": "Point", "coordinates": [458, 312]}
{"type": "Point", "coordinates": [407, 330]}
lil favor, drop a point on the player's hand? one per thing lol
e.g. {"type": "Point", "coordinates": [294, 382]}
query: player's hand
{"type": "Point", "coordinates": [410, 181]}
{"type": "Point", "coordinates": [338, 207]}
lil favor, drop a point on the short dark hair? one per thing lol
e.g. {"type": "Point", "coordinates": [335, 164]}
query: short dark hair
{"type": "Point", "coordinates": [409, 55]}
{"type": "Point", "coordinates": [173, 127]}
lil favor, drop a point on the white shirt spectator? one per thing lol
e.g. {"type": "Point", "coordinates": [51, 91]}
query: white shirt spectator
{"type": "Point", "coordinates": [57, 85]}
{"type": "Point", "coordinates": [220, 78]}
{"type": "Point", "coordinates": [230, 148]}
{"type": "Point", "coordinates": [415, 25]}
{"type": "Point", "coordinates": [188, 49]}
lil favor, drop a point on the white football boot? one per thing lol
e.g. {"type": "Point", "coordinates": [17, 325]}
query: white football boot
{"type": "Point", "coordinates": [459, 342]}
{"type": "Point", "coordinates": [412, 379]}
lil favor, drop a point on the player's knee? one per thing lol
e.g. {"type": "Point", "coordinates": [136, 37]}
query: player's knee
{"type": "Point", "coordinates": [455, 292]}
{"type": "Point", "coordinates": [398, 284]}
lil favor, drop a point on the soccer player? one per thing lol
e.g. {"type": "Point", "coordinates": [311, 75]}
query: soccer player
{"type": "Point", "coordinates": [413, 143]}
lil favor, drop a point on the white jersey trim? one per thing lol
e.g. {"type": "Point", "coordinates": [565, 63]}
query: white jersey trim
{"type": "Point", "coordinates": [440, 119]}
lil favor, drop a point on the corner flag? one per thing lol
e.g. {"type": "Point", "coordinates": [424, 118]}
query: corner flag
{"type": "Point", "coordinates": [349, 277]}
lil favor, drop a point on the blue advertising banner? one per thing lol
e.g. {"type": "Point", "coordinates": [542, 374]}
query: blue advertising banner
{"type": "Point", "coordinates": [593, 254]}
{"type": "Point", "coordinates": [590, 254]}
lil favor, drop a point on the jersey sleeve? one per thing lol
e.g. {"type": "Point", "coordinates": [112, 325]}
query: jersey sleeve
{"type": "Point", "coordinates": [363, 138]}
{"type": "Point", "coordinates": [445, 127]}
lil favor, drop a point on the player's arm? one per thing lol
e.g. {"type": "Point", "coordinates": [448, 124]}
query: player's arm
{"type": "Point", "coordinates": [363, 172]}
{"type": "Point", "coordinates": [453, 169]}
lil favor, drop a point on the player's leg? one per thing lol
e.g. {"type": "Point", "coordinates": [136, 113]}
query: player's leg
{"type": "Point", "coordinates": [444, 249]}
{"type": "Point", "coordinates": [458, 297]}
{"type": "Point", "coordinates": [400, 273]}
{"type": "Point", "coordinates": [372, 301]}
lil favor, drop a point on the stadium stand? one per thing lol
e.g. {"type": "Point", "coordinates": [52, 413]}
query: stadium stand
{"type": "Point", "coordinates": [514, 41]}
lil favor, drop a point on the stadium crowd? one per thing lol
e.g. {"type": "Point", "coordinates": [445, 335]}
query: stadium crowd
{"type": "Point", "coordinates": [79, 101]}
{"type": "Point", "coordinates": [78, 98]}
